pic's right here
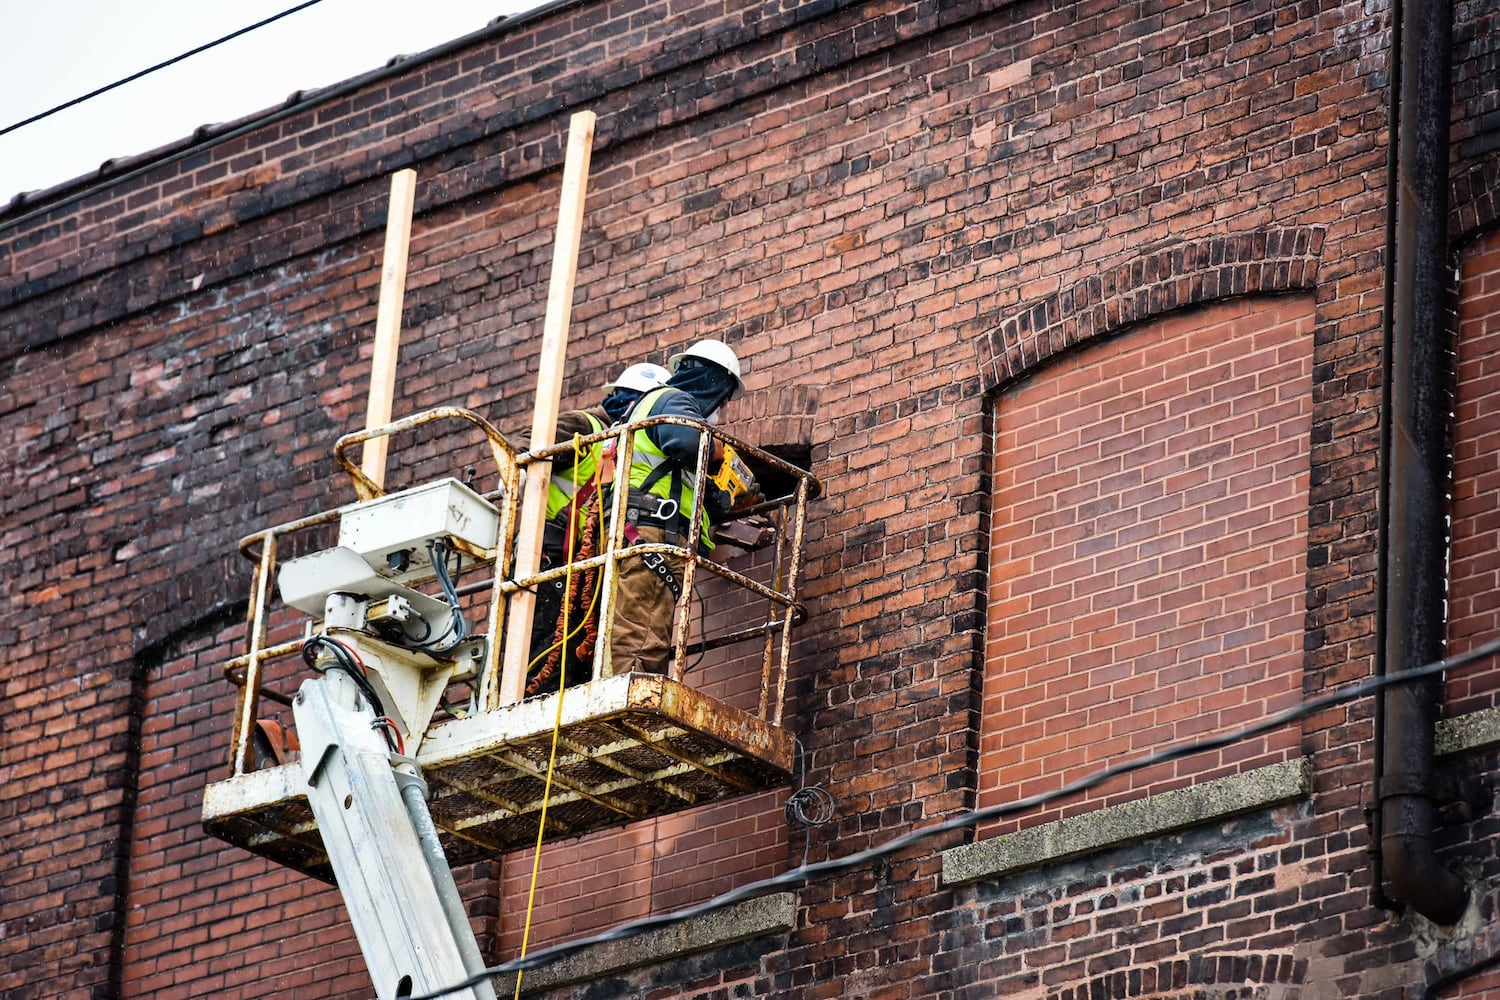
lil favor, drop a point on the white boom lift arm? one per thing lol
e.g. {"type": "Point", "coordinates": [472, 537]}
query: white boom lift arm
{"type": "Point", "coordinates": [372, 814]}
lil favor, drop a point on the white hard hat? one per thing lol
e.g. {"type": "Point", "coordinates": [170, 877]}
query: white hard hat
{"type": "Point", "coordinates": [641, 378]}
{"type": "Point", "coordinates": [715, 352]}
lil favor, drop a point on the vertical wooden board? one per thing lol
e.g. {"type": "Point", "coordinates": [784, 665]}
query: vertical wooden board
{"type": "Point", "coordinates": [548, 396]}
{"type": "Point", "coordinates": [388, 321]}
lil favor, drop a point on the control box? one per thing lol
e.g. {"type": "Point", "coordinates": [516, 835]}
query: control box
{"type": "Point", "coordinates": [391, 532]}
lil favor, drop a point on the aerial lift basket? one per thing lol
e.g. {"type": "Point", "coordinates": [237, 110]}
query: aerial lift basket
{"type": "Point", "coordinates": [630, 746]}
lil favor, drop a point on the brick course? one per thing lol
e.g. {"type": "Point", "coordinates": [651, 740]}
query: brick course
{"type": "Point", "coordinates": [1476, 586]}
{"type": "Point", "coordinates": [897, 214]}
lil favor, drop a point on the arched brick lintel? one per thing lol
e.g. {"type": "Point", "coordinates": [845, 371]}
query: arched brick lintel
{"type": "Point", "coordinates": [1475, 203]}
{"type": "Point", "coordinates": [1190, 273]}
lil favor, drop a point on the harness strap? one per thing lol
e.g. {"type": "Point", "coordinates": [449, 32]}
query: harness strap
{"type": "Point", "coordinates": [656, 562]}
{"type": "Point", "coordinates": [655, 476]}
{"type": "Point", "coordinates": [663, 467]}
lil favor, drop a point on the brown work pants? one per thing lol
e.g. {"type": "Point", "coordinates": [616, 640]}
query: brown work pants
{"type": "Point", "coordinates": [642, 635]}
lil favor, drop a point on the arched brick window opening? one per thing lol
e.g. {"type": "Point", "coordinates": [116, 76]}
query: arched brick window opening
{"type": "Point", "coordinates": [1148, 552]}
{"type": "Point", "coordinates": [202, 917]}
{"type": "Point", "coordinates": [1474, 565]}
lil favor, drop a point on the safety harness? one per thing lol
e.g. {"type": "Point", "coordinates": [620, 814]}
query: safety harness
{"type": "Point", "coordinates": [582, 494]}
{"type": "Point", "coordinates": [563, 489]}
{"type": "Point", "coordinates": [645, 507]}
{"type": "Point", "coordinates": [647, 504]}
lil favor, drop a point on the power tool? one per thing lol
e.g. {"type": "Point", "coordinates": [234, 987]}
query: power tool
{"type": "Point", "coordinates": [735, 481]}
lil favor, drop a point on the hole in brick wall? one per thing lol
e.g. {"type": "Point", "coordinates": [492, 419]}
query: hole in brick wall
{"type": "Point", "coordinates": [773, 482]}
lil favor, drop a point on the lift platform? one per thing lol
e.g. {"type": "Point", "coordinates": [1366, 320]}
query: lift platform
{"type": "Point", "coordinates": [630, 746]}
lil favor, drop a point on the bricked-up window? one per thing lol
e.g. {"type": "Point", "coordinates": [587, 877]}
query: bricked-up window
{"type": "Point", "coordinates": [1474, 587]}
{"type": "Point", "coordinates": [1148, 556]}
{"type": "Point", "coordinates": [205, 918]}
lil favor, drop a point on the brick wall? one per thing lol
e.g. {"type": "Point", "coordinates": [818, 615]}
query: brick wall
{"type": "Point", "coordinates": [590, 883]}
{"type": "Point", "coordinates": [1485, 986]}
{"type": "Point", "coordinates": [1474, 601]}
{"type": "Point", "coordinates": [897, 211]}
{"type": "Point", "coordinates": [201, 916]}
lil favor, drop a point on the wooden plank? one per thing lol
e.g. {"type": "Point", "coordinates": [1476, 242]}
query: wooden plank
{"type": "Point", "coordinates": [548, 397]}
{"type": "Point", "coordinates": [388, 321]}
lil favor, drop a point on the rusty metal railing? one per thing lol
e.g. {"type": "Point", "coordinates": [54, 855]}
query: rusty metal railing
{"type": "Point", "coordinates": [247, 671]}
{"type": "Point", "coordinates": [783, 609]}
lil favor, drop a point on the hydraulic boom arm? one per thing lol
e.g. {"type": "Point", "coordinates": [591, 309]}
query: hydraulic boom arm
{"type": "Point", "coordinates": [372, 813]}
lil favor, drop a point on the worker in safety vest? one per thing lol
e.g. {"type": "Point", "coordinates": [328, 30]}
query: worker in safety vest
{"type": "Point", "coordinates": [663, 488]}
{"type": "Point", "coordinates": [575, 480]}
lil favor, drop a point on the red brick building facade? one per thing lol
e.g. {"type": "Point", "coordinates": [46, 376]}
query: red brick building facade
{"type": "Point", "coordinates": [1078, 309]}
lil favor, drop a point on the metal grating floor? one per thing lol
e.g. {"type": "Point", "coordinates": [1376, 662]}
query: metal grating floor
{"type": "Point", "coordinates": [630, 747]}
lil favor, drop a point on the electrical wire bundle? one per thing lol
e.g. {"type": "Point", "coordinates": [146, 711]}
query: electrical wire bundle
{"type": "Point", "coordinates": [809, 805]}
{"type": "Point", "coordinates": [438, 553]}
{"type": "Point", "coordinates": [345, 660]}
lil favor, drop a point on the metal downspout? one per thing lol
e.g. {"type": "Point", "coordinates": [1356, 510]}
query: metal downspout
{"type": "Point", "coordinates": [414, 796]}
{"type": "Point", "coordinates": [1416, 466]}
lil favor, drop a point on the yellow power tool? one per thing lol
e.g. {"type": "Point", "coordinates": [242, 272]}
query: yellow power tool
{"type": "Point", "coordinates": [735, 480]}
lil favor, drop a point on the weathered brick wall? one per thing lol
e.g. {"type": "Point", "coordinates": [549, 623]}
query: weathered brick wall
{"type": "Point", "coordinates": [1474, 600]}
{"type": "Point", "coordinates": [1485, 986]}
{"type": "Point", "coordinates": [203, 917]}
{"type": "Point", "coordinates": [591, 883]}
{"type": "Point", "coordinates": [891, 209]}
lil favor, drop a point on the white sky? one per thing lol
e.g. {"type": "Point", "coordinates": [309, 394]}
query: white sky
{"type": "Point", "coordinates": [52, 51]}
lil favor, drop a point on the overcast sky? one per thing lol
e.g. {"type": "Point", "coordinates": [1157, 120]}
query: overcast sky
{"type": "Point", "coordinates": [57, 50]}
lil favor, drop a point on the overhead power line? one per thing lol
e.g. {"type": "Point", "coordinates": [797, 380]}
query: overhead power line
{"type": "Point", "coordinates": [808, 872]}
{"type": "Point", "coordinates": [161, 65]}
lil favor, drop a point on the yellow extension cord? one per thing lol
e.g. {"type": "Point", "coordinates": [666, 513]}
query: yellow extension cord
{"type": "Point", "coordinates": [562, 683]}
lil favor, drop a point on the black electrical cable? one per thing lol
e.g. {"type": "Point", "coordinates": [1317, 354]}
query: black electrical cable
{"type": "Point", "coordinates": [437, 554]}
{"type": "Point", "coordinates": [809, 805]}
{"type": "Point", "coordinates": [391, 732]}
{"type": "Point", "coordinates": [159, 66]}
{"type": "Point", "coordinates": [344, 661]}
{"type": "Point", "coordinates": [806, 873]}
{"type": "Point", "coordinates": [417, 641]}
{"type": "Point", "coordinates": [348, 662]}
